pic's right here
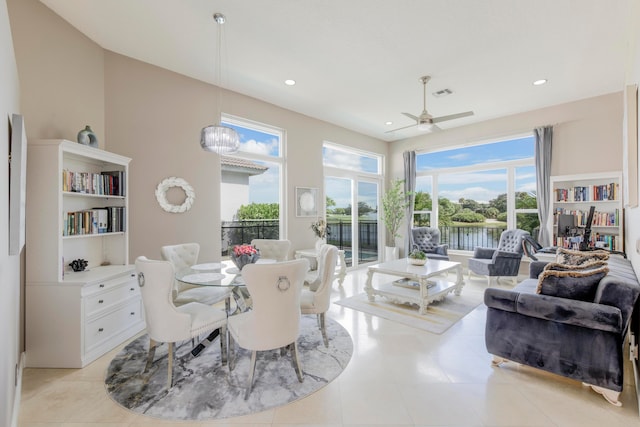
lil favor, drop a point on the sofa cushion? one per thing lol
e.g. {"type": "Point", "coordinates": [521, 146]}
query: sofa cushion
{"type": "Point", "coordinates": [570, 257]}
{"type": "Point", "coordinates": [570, 281]}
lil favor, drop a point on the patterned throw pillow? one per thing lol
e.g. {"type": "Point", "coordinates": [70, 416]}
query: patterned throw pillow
{"type": "Point", "coordinates": [578, 282]}
{"type": "Point", "coordinates": [569, 257]}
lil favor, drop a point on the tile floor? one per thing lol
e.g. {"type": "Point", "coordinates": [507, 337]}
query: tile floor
{"type": "Point", "coordinates": [398, 376]}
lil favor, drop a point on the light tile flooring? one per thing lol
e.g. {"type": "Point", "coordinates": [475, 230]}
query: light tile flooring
{"type": "Point", "coordinates": [398, 376]}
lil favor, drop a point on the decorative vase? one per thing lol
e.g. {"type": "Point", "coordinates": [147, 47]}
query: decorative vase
{"type": "Point", "coordinates": [88, 137]}
{"type": "Point", "coordinates": [244, 259]}
{"type": "Point", "coordinates": [391, 253]}
{"type": "Point", "coordinates": [321, 241]}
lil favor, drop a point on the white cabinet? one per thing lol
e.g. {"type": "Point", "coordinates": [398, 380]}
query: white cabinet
{"type": "Point", "coordinates": [77, 208]}
{"type": "Point", "coordinates": [575, 194]}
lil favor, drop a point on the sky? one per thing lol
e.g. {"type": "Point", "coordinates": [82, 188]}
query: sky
{"type": "Point", "coordinates": [480, 186]}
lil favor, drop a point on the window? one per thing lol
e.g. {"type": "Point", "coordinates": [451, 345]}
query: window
{"type": "Point", "coordinates": [251, 202]}
{"type": "Point", "coordinates": [481, 190]}
{"type": "Point", "coordinates": [352, 190]}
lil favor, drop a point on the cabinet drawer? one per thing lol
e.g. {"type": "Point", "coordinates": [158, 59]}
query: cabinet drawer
{"type": "Point", "coordinates": [101, 329]}
{"type": "Point", "coordinates": [113, 295]}
{"type": "Point", "coordinates": [106, 285]}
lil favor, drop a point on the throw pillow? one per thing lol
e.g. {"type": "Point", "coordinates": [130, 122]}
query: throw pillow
{"type": "Point", "coordinates": [570, 257]}
{"type": "Point", "coordinates": [572, 282]}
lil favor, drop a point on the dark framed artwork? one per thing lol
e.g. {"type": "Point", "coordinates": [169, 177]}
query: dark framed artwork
{"type": "Point", "coordinates": [17, 184]}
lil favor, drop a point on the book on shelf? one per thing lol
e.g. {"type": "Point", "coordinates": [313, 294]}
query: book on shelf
{"type": "Point", "coordinates": [588, 193]}
{"type": "Point", "coordinates": [107, 183]}
{"type": "Point", "coordinates": [600, 219]}
{"type": "Point", "coordinates": [99, 220]}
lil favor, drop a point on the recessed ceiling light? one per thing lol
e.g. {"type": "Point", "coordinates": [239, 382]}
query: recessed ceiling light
{"type": "Point", "coordinates": [289, 82]}
{"type": "Point", "coordinates": [539, 82]}
{"type": "Point", "coordinates": [388, 123]}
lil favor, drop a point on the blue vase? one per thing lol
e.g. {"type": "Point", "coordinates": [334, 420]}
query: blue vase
{"type": "Point", "coordinates": [244, 259]}
{"type": "Point", "coordinates": [87, 137]}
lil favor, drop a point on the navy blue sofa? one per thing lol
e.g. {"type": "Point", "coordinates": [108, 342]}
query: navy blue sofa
{"type": "Point", "coordinates": [582, 340]}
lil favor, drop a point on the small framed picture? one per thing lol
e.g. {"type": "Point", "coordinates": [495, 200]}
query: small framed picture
{"type": "Point", "coordinates": [306, 201]}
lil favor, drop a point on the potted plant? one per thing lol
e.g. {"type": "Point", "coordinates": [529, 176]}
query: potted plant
{"type": "Point", "coordinates": [394, 205]}
{"type": "Point", "coordinates": [417, 257]}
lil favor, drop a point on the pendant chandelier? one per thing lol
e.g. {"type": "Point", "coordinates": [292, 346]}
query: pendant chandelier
{"type": "Point", "coordinates": [217, 138]}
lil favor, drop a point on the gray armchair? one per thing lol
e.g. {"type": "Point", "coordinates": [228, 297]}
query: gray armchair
{"type": "Point", "coordinates": [503, 261]}
{"type": "Point", "coordinates": [427, 239]}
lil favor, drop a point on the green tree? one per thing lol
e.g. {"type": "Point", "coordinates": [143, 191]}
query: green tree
{"type": "Point", "coordinates": [394, 203]}
{"type": "Point", "coordinates": [330, 203]}
{"type": "Point", "coordinates": [446, 211]}
{"type": "Point", "coordinates": [467, 215]}
{"type": "Point", "coordinates": [259, 211]}
{"type": "Point", "coordinates": [364, 209]}
{"type": "Point", "coordinates": [422, 201]}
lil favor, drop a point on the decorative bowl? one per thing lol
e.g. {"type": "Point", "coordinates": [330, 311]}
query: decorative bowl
{"type": "Point", "coordinates": [416, 261]}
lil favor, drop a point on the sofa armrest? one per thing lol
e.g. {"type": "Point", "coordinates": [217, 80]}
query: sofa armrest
{"type": "Point", "coordinates": [506, 255]}
{"type": "Point", "coordinates": [559, 310]}
{"type": "Point", "coordinates": [535, 268]}
{"type": "Point", "coordinates": [483, 253]}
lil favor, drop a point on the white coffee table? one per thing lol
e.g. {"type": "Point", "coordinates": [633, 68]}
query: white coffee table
{"type": "Point", "coordinates": [419, 285]}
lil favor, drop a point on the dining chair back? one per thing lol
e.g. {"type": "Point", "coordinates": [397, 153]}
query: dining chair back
{"type": "Point", "coordinates": [167, 323]}
{"type": "Point", "coordinates": [185, 255]}
{"type": "Point", "coordinates": [318, 300]}
{"type": "Point", "coordinates": [274, 320]}
{"type": "Point", "coordinates": [273, 248]}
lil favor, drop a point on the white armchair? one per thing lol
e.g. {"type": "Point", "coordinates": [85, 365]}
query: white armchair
{"type": "Point", "coordinates": [274, 321]}
{"type": "Point", "coordinates": [272, 248]}
{"type": "Point", "coordinates": [167, 323]}
{"type": "Point", "coordinates": [183, 256]}
{"type": "Point", "coordinates": [317, 300]}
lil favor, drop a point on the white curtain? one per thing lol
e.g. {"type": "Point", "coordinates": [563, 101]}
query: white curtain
{"type": "Point", "coordinates": [544, 137]}
{"type": "Point", "coordinates": [409, 190]}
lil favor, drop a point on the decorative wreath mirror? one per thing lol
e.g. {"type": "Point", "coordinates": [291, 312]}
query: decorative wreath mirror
{"type": "Point", "coordinates": [165, 185]}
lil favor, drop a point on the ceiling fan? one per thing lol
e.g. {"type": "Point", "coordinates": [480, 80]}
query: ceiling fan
{"type": "Point", "coordinates": [425, 121]}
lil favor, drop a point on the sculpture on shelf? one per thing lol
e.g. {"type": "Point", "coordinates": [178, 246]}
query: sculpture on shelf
{"type": "Point", "coordinates": [87, 137]}
{"type": "Point", "coordinates": [78, 264]}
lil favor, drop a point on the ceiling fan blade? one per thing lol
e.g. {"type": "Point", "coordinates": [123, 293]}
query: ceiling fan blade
{"type": "Point", "coordinates": [405, 127]}
{"type": "Point", "coordinates": [452, 116]}
{"type": "Point", "coordinates": [411, 116]}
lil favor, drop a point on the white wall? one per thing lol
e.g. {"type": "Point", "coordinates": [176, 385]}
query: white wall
{"type": "Point", "coordinates": [10, 268]}
{"type": "Point", "coordinates": [632, 215]}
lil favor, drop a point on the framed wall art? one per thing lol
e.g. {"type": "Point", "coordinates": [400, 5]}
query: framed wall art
{"type": "Point", "coordinates": [17, 184]}
{"type": "Point", "coordinates": [306, 201]}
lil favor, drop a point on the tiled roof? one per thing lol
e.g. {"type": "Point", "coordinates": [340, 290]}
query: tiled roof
{"type": "Point", "coordinates": [236, 163]}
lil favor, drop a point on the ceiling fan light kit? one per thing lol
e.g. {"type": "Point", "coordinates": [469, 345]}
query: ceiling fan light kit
{"type": "Point", "coordinates": [425, 121]}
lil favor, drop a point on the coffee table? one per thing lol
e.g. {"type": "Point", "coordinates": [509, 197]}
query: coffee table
{"type": "Point", "coordinates": [419, 285]}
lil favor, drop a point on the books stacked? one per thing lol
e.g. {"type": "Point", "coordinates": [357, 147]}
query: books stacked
{"type": "Point", "coordinates": [108, 183]}
{"type": "Point", "coordinates": [109, 219]}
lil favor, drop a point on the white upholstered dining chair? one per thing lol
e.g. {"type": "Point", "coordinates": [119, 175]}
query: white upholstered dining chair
{"type": "Point", "coordinates": [183, 256]}
{"type": "Point", "coordinates": [317, 299]}
{"type": "Point", "coordinates": [273, 248]}
{"type": "Point", "coordinates": [167, 323]}
{"type": "Point", "coordinates": [274, 321]}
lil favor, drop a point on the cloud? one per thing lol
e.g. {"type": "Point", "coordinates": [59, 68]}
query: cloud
{"type": "Point", "coordinates": [266, 148]}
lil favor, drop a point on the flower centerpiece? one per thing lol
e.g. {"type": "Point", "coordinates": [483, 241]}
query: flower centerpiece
{"type": "Point", "coordinates": [417, 257]}
{"type": "Point", "coordinates": [242, 255]}
{"type": "Point", "coordinates": [321, 230]}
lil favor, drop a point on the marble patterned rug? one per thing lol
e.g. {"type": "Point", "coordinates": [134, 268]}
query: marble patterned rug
{"type": "Point", "coordinates": [204, 389]}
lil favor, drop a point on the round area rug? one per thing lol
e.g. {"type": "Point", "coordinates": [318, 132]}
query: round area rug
{"type": "Point", "coordinates": [204, 389]}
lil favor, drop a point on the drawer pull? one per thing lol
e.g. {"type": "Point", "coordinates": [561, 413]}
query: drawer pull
{"type": "Point", "coordinates": [100, 301]}
{"type": "Point", "coordinates": [132, 289]}
{"type": "Point", "coordinates": [133, 313]}
{"type": "Point", "coordinates": [100, 329]}
{"type": "Point", "coordinates": [102, 285]}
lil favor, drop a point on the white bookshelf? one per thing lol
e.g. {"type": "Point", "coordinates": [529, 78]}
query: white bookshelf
{"type": "Point", "coordinates": [72, 318]}
{"type": "Point", "coordinates": [575, 194]}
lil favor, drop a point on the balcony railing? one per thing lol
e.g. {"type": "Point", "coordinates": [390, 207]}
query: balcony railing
{"type": "Point", "coordinates": [464, 238]}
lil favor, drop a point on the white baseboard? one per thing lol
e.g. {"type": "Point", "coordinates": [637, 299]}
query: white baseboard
{"type": "Point", "coordinates": [18, 391]}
